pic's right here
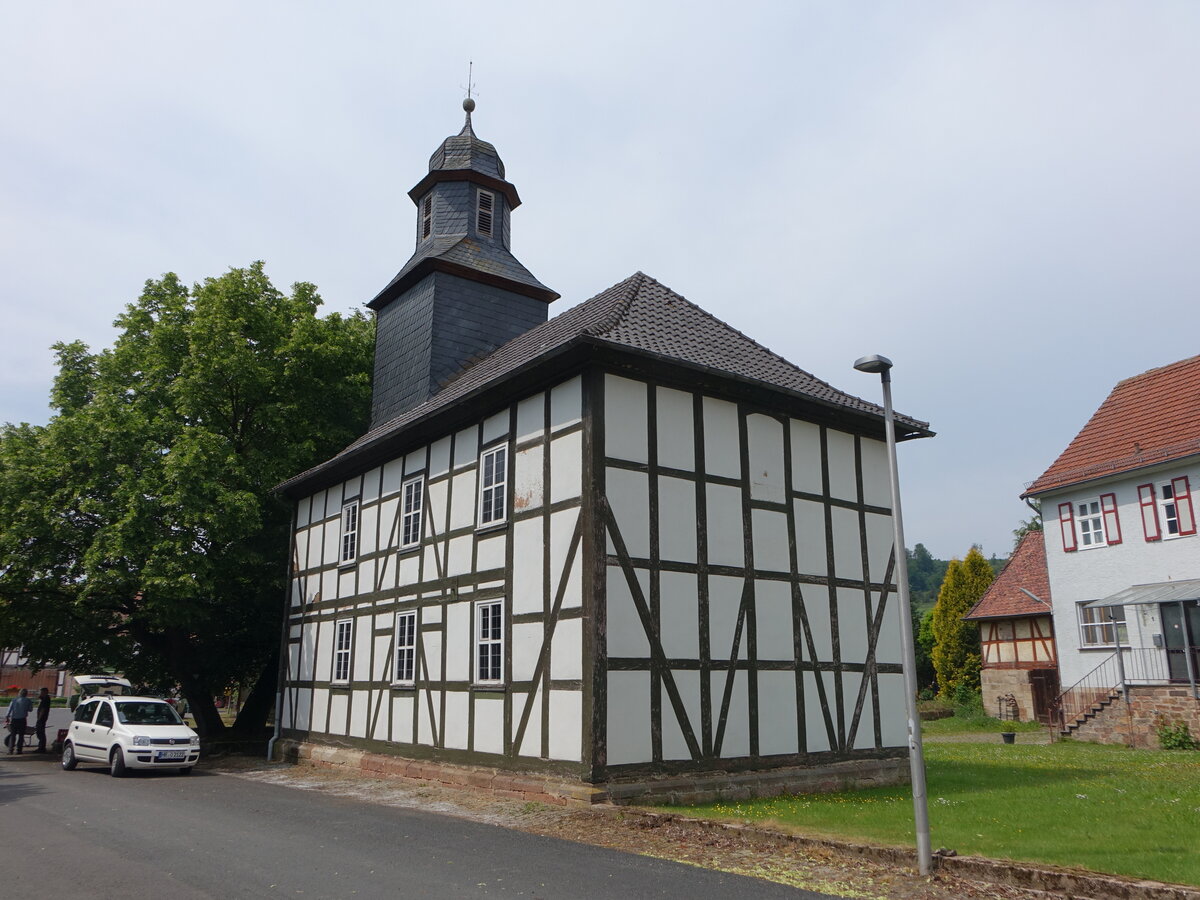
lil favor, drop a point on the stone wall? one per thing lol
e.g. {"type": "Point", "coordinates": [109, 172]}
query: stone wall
{"type": "Point", "coordinates": [705, 788]}
{"type": "Point", "coordinates": [1134, 723]}
{"type": "Point", "coordinates": [997, 682]}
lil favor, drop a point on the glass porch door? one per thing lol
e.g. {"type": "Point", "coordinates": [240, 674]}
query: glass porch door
{"type": "Point", "coordinates": [1181, 634]}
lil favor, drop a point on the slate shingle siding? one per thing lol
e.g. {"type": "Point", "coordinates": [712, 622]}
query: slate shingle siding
{"type": "Point", "coordinates": [403, 348]}
{"type": "Point", "coordinates": [471, 320]}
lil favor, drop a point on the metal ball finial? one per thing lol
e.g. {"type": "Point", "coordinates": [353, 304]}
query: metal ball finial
{"type": "Point", "coordinates": [469, 105]}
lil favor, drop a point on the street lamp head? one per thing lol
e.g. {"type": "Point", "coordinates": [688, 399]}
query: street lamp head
{"type": "Point", "coordinates": [874, 365]}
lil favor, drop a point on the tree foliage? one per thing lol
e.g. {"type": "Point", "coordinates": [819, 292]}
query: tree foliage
{"type": "Point", "coordinates": [1033, 523]}
{"type": "Point", "coordinates": [138, 528]}
{"type": "Point", "coordinates": [925, 576]}
{"type": "Point", "coordinates": [923, 648]}
{"type": "Point", "coordinates": [956, 651]}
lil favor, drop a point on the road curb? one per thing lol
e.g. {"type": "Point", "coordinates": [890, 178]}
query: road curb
{"type": "Point", "coordinates": [1073, 883]}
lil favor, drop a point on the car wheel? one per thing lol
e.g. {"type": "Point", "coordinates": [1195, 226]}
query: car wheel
{"type": "Point", "coordinates": [116, 763]}
{"type": "Point", "coordinates": [68, 758]}
{"type": "Point", "coordinates": [186, 770]}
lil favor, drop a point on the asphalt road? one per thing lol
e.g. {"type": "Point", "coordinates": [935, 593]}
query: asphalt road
{"type": "Point", "coordinates": [212, 835]}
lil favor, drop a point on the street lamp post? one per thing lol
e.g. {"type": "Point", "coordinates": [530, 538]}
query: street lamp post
{"type": "Point", "coordinates": [916, 754]}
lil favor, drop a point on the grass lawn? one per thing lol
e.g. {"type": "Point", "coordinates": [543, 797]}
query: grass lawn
{"type": "Point", "coordinates": [1104, 808]}
{"type": "Point", "coordinates": [974, 725]}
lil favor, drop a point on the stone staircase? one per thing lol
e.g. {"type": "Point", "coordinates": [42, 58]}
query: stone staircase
{"type": "Point", "coordinates": [1067, 728]}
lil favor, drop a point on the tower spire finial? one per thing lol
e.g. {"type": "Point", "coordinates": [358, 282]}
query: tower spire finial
{"type": "Point", "coordinates": [469, 103]}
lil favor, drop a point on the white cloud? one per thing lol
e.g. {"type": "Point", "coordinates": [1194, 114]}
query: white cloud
{"type": "Point", "coordinates": [1001, 197]}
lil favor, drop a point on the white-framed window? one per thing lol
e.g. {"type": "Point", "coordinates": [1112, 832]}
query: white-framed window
{"type": "Point", "coordinates": [1089, 522]}
{"type": "Point", "coordinates": [493, 485]}
{"type": "Point", "coordinates": [412, 499]}
{"type": "Point", "coordinates": [1100, 625]}
{"type": "Point", "coordinates": [427, 216]}
{"type": "Point", "coordinates": [343, 641]}
{"type": "Point", "coordinates": [484, 207]}
{"type": "Point", "coordinates": [406, 648]}
{"type": "Point", "coordinates": [1178, 516]}
{"type": "Point", "coordinates": [349, 551]}
{"type": "Point", "coordinates": [1169, 510]}
{"type": "Point", "coordinates": [489, 642]}
{"type": "Point", "coordinates": [1166, 508]}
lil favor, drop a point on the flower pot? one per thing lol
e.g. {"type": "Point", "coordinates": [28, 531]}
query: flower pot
{"type": "Point", "coordinates": [1009, 737]}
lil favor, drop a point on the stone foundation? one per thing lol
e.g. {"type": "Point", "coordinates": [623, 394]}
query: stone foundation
{"type": "Point", "coordinates": [998, 682]}
{"type": "Point", "coordinates": [1134, 723]}
{"type": "Point", "coordinates": [676, 789]}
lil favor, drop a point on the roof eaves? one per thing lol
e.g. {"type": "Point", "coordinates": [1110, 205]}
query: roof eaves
{"type": "Point", "coordinates": [367, 447]}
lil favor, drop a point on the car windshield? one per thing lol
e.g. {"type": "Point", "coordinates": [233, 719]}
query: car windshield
{"type": "Point", "coordinates": [144, 713]}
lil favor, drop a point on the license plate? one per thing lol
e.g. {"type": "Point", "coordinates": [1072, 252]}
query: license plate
{"type": "Point", "coordinates": [171, 754]}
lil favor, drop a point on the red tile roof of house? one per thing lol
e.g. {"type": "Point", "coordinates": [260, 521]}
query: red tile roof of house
{"type": "Point", "coordinates": [1026, 568]}
{"type": "Point", "coordinates": [1147, 419]}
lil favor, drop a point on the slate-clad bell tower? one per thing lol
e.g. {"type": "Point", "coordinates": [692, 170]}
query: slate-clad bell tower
{"type": "Point", "coordinates": [462, 294]}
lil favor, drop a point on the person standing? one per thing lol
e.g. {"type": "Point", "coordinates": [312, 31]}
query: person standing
{"type": "Point", "coordinates": [43, 713]}
{"type": "Point", "coordinates": [17, 718]}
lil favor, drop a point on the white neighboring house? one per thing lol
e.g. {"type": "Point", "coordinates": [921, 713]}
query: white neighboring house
{"type": "Point", "coordinates": [621, 545]}
{"type": "Point", "coordinates": [1123, 557]}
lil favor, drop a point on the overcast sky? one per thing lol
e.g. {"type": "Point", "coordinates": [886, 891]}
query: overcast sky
{"type": "Point", "coordinates": [1002, 197]}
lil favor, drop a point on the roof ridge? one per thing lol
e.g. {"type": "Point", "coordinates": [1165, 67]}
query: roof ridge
{"type": "Point", "coordinates": [782, 359]}
{"type": "Point", "coordinates": [622, 307]}
{"type": "Point", "coordinates": [1156, 369]}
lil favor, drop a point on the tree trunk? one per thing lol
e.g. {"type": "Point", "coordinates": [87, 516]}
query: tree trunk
{"type": "Point", "coordinates": [253, 715]}
{"type": "Point", "coordinates": [202, 708]}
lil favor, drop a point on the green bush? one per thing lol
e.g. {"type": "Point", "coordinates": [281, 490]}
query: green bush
{"type": "Point", "coordinates": [1175, 735]}
{"type": "Point", "coordinates": [967, 699]}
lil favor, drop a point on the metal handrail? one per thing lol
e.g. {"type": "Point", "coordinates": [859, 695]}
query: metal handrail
{"type": "Point", "coordinates": [1126, 666]}
{"type": "Point", "coordinates": [1097, 686]}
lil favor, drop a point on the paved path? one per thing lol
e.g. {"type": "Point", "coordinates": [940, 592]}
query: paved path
{"type": "Point", "coordinates": [83, 833]}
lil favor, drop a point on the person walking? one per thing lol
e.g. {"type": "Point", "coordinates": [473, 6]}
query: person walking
{"type": "Point", "coordinates": [43, 713]}
{"type": "Point", "coordinates": [17, 718]}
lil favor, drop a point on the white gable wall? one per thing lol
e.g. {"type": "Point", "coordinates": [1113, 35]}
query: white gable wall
{"type": "Point", "coordinates": [743, 623]}
{"type": "Point", "coordinates": [1095, 573]}
{"type": "Point", "coordinates": [529, 562]}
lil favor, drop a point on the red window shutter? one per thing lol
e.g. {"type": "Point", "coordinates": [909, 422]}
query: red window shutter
{"type": "Point", "coordinates": [1183, 504]}
{"type": "Point", "coordinates": [1149, 512]}
{"type": "Point", "coordinates": [1112, 523]}
{"type": "Point", "coordinates": [1066, 522]}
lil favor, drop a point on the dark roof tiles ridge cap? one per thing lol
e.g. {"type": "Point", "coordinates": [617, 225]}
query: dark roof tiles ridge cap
{"type": "Point", "coordinates": [874, 407]}
{"type": "Point", "coordinates": [632, 286]}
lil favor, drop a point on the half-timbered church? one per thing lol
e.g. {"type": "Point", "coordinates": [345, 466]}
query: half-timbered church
{"type": "Point", "coordinates": [622, 548]}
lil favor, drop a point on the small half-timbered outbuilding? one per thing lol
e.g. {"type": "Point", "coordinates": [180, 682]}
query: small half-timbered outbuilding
{"type": "Point", "coordinates": [1019, 677]}
{"type": "Point", "coordinates": [610, 548]}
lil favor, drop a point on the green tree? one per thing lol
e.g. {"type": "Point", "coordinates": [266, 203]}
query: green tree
{"type": "Point", "coordinates": [956, 652]}
{"type": "Point", "coordinates": [1033, 523]}
{"type": "Point", "coordinates": [923, 648]}
{"type": "Point", "coordinates": [924, 576]}
{"type": "Point", "coordinates": [138, 528]}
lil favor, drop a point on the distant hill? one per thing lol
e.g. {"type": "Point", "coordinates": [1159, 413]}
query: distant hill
{"type": "Point", "coordinates": [925, 576]}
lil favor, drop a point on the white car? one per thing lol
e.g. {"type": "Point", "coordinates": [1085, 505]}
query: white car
{"type": "Point", "coordinates": [130, 733]}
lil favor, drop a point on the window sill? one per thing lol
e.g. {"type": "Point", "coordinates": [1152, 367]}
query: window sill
{"type": "Point", "coordinates": [491, 527]}
{"type": "Point", "coordinates": [339, 685]}
{"type": "Point", "coordinates": [346, 566]}
{"type": "Point", "coordinates": [489, 689]}
{"type": "Point", "coordinates": [408, 549]}
{"type": "Point", "coordinates": [407, 688]}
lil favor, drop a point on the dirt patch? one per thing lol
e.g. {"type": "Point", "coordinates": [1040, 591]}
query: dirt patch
{"type": "Point", "coordinates": [740, 851]}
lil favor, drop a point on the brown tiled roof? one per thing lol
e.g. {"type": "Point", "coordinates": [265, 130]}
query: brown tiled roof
{"type": "Point", "coordinates": [1026, 568]}
{"type": "Point", "coordinates": [637, 315]}
{"type": "Point", "coordinates": [1147, 419]}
